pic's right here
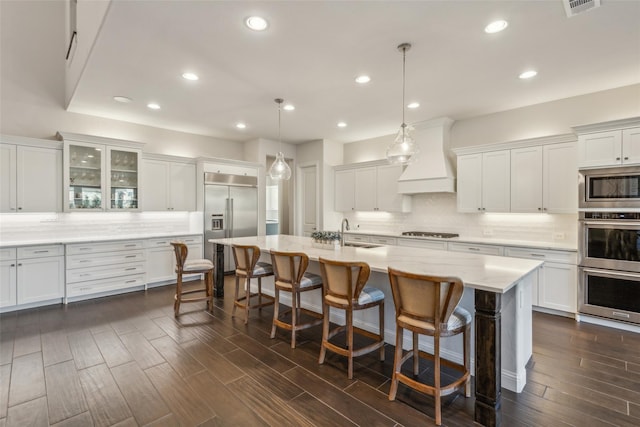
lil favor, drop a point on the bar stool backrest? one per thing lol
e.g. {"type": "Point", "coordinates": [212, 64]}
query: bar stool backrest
{"type": "Point", "coordinates": [289, 267]}
{"type": "Point", "coordinates": [344, 280]}
{"type": "Point", "coordinates": [430, 299]}
{"type": "Point", "coordinates": [246, 258]}
{"type": "Point", "coordinates": [181, 251]}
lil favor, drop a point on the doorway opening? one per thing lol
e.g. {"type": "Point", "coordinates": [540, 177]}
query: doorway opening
{"type": "Point", "coordinates": [278, 215]}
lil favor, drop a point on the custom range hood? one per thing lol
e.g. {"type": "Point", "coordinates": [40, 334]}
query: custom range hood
{"type": "Point", "coordinates": [431, 171]}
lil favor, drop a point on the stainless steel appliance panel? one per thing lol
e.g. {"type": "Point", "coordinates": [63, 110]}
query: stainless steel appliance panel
{"type": "Point", "coordinates": [612, 242]}
{"type": "Point", "coordinates": [609, 293]}
{"type": "Point", "coordinates": [244, 209]}
{"type": "Point", "coordinates": [617, 187]}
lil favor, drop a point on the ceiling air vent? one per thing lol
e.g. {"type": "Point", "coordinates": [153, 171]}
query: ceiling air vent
{"type": "Point", "coordinates": [574, 7]}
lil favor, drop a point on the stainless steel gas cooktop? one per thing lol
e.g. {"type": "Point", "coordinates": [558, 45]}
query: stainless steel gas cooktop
{"type": "Point", "coordinates": [430, 234]}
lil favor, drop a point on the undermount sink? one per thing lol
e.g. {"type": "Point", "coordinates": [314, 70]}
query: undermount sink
{"type": "Point", "coordinates": [361, 245]}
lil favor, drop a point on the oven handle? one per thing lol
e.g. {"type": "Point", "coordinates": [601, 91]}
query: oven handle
{"type": "Point", "coordinates": [630, 225]}
{"type": "Point", "coordinates": [612, 273]}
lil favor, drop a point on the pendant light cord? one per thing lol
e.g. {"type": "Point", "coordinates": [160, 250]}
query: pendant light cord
{"type": "Point", "coordinates": [404, 60]}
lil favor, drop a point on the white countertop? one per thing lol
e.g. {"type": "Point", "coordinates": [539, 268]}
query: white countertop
{"type": "Point", "coordinates": [88, 239]}
{"type": "Point", "coordinates": [559, 245]}
{"type": "Point", "coordinates": [485, 272]}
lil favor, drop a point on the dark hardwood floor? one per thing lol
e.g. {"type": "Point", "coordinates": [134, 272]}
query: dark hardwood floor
{"type": "Point", "coordinates": [126, 361]}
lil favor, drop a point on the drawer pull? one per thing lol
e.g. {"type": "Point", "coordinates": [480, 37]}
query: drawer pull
{"type": "Point", "coordinates": [538, 255]}
{"type": "Point", "coordinates": [82, 261]}
{"type": "Point", "coordinates": [474, 249]}
{"type": "Point", "coordinates": [130, 281]}
{"type": "Point", "coordinates": [85, 249]}
{"type": "Point", "coordinates": [130, 246]}
{"type": "Point", "coordinates": [130, 268]}
{"type": "Point", "coordinates": [41, 252]}
{"type": "Point", "coordinates": [85, 274]}
{"type": "Point", "coordinates": [13, 265]}
{"type": "Point", "coordinates": [131, 256]}
{"type": "Point", "coordinates": [161, 243]}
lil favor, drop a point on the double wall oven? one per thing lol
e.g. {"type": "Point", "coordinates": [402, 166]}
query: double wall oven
{"type": "Point", "coordinates": [609, 271]}
{"type": "Point", "coordinates": [609, 243]}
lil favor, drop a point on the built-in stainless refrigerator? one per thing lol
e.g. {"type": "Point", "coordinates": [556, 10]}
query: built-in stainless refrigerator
{"type": "Point", "coordinates": [230, 210]}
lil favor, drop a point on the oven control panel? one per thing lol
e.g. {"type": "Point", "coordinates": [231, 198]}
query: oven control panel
{"type": "Point", "coordinates": [628, 216]}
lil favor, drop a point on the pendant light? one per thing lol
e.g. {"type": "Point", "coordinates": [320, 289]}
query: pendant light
{"type": "Point", "coordinates": [403, 149]}
{"type": "Point", "coordinates": [279, 170]}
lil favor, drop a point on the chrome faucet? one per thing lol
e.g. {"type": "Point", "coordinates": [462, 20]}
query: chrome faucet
{"type": "Point", "coordinates": [345, 224]}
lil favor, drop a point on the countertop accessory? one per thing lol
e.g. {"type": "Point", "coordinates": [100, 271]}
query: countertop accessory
{"type": "Point", "coordinates": [279, 169]}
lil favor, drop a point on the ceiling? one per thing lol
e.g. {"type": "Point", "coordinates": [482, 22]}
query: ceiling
{"type": "Point", "coordinates": [313, 50]}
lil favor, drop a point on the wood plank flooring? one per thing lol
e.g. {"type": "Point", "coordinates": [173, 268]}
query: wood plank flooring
{"type": "Point", "coordinates": [125, 361]}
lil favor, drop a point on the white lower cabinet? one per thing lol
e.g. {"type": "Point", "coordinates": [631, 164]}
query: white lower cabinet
{"type": "Point", "coordinates": [31, 274]}
{"type": "Point", "coordinates": [161, 259]}
{"type": "Point", "coordinates": [473, 248]}
{"type": "Point", "coordinates": [425, 244]}
{"type": "Point", "coordinates": [94, 268]}
{"type": "Point", "coordinates": [557, 280]}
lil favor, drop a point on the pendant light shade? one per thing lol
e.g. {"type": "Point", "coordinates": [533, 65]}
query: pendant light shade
{"type": "Point", "coordinates": [279, 170]}
{"type": "Point", "coordinates": [403, 149]}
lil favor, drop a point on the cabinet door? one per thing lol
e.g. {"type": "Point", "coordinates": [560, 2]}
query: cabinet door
{"type": "Point", "coordinates": [7, 283]}
{"type": "Point", "coordinates": [161, 263]}
{"type": "Point", "coordinates": [631, 146]}
{"type": "Point", "coordinates": [389, 200]}
{"type": "Point", "coordinates": [84, 176]}
{"type": "Point", "coordinates": [560, 178]}
{"type": "Point", "coordinates": [8, 178]}
{"type": "Point", "coordinates": [496, 179]}
{"type": "Point", "coordinates": [469, 192]}
{"type": "Point", "coordinates": [39, 179]}
{"type": "Point", "coordinates": [557, 287]}
{"type": "Point", "coordinates": [155, 178]}
{"type": "Point", "coordinates": [365, 189]}
{"type": "Point", "coordinates": [600, 149]}
{"type": "Point", "coordinates": [526, 179]}
{"type": "Point", "coordinates": [40, 279]}
{"type": "Point", "coordinates": [182, 187]}
{"type": "Point", "coordinates": [344, 190]}
{"type": "Point", "coordinates": [123, 178]}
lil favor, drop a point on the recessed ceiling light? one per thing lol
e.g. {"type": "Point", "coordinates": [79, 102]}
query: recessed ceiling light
{"type": "Point", "coordinates": [496, 26]}
{"type": "Point", "coordinates": [123, 99]}
{"type": "Point", "coordinates": [528, 74]}
{"type": "Point", "coordinates": [256, 23]}
{"type": "Point", "coordinates": [190, 76]}
{"type": "Point", "coordinates": [241, 125]}
{"type": "Point", "coordinates": [153, 106]}
{"type": "Point", "coordinates": [289, 107]}
{"type": "Point", "coordinates": [413, 105]}
{"type": "Point", "coordinates": [342, 125]}
{"type": "Point", "coordinates": [363, 79]}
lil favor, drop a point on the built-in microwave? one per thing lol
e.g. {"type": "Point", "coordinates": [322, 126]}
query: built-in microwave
{"type": "Point", "coordinates": [617, 187]}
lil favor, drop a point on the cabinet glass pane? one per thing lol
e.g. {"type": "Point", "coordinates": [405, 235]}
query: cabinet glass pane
{"type": "Point", "coordinates": [85, 177]}
{"type": "Point", "coordinates": [124, 179]}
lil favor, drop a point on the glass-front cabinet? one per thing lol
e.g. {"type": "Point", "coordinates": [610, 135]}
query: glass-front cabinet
{"type": "Point", "coordinates": [101, 177]}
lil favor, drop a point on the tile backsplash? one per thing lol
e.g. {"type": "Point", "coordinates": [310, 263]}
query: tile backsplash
{"type": "Point", "coordinates": [27, 226]}
{"type": "Point", "coordinates": [437, 212]}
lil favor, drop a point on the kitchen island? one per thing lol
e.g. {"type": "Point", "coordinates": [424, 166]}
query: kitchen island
{"type": "Point", "coordinates": [497, 292]}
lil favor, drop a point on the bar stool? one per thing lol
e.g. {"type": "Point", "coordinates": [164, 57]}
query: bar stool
{"type": "Point", "coordinates": [184, 266]}
{"type": "Point", "coordinates": [291, 276]}
{"type": "Point", "coordinates": [248, 267]}
{"type": "Point", "coordinates": [427, 305]}
{"type": "Point", "coordinates": [344, 288]}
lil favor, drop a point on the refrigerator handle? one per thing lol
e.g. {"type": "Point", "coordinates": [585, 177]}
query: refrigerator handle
{"type": "Point", "coordinates": [231, 218]}
{"type": "Point", "coordinates": [228, 219]}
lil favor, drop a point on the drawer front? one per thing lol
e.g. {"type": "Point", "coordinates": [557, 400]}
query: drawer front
{"type": "Point", "coordinates": [476, 249]}
{"type": "Point", "coordinates": [159, 243]}
{"type": "Point", "coordinates": [98, 273]}
{"type": "Point", "coordinates": [426, 244]}
{"type": "Point", "coordinates": [357, 238]}
{"type": "Point", "coordinates": [384, 240]}
{"type": "Point", "coordinates": [40, 251]}
{"type": "Point", "coordinates": [543, 255]}
{"type": "Point", "coordinates": [94, 260]}
{"type": "Point", "coordinates": [190, 240]}
{"type": "Point", "coordinates": [91, 248]}
{"type": "Point", "coordinates": [95, 286]}
{"type": "Point", "coordinates": [7, 254]}
{"type": "Point", "coordinates": [166, 241]}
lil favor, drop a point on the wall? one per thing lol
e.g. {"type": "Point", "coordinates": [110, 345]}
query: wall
{"type": "Point", "coordinates": [32, 78]}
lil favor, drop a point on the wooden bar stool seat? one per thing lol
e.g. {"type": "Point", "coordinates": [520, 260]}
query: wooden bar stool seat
{"type": "Point", "coordinates": [248, 267]}
{"type": "Point", "coordinates": [291, 276]}
{"type": "Point", "coordinates": [195, 266]}
{"type": "Point", "coordinates": [344, 288]}
{"type": "Point", "coordinates": [428, 305]}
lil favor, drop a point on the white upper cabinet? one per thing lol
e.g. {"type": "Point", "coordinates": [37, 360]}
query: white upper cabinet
{"type": "Point", "coordinates": [544, 179]}
{"type": "Point", "coordinates": [168, 185]}
{"type": "Point", "coordinates": [101, 173]}
{"type": "Point", "coordinates": [608, 148]}
{"type": "Point", "coordinates": [30, 176]}
{"type": "Point", "coordinates": [371, 186]}
{"type": "Point", "coordinates": [483, 182]}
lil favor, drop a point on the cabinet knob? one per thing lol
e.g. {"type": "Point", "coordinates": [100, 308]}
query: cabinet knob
{"type": "Point", "coordinates": [13, 265]}
{"type": "Point", "coordinates": [539, 209]}
{"type": "Point", "coordinates": [617, 158]}
{"type": "Point", "coordinates": [544, 209]}
{"type": "Point", "coordinates": [13, 209]}
{"type": "Point", "coordinates": [19, 264]}
{"type": "Point", "coordinates": [479, 209]}
{"type": "Point", "coordinates": [19, 208]}
{"type": "Point", "coordinates": [626, 158]}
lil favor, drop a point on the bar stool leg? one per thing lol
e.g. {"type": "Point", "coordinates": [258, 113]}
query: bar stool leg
{"type": "Point", "coordinates": [381, 320]}
{"type": "Point", "coordinates": [247, 282]}
{"type": "Point", "coordinates": [325, 331]}
{"type": "Point", "coordinates": [294, 320]}
{"type": "Point", "coordinates": [260, 294]}
{"type": "Point", "coordinates": [396, 360]}
{"type": "Point", "coordinates": [350, 342]}
{"type": "Point", "coordinates": [416, 360]}
{"type": "Point", "coordinates": [235, 297]}
{"type": "Point", "coordinates": [176, 304]}
{"type": "Point", "coordinates": [276, 312]}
